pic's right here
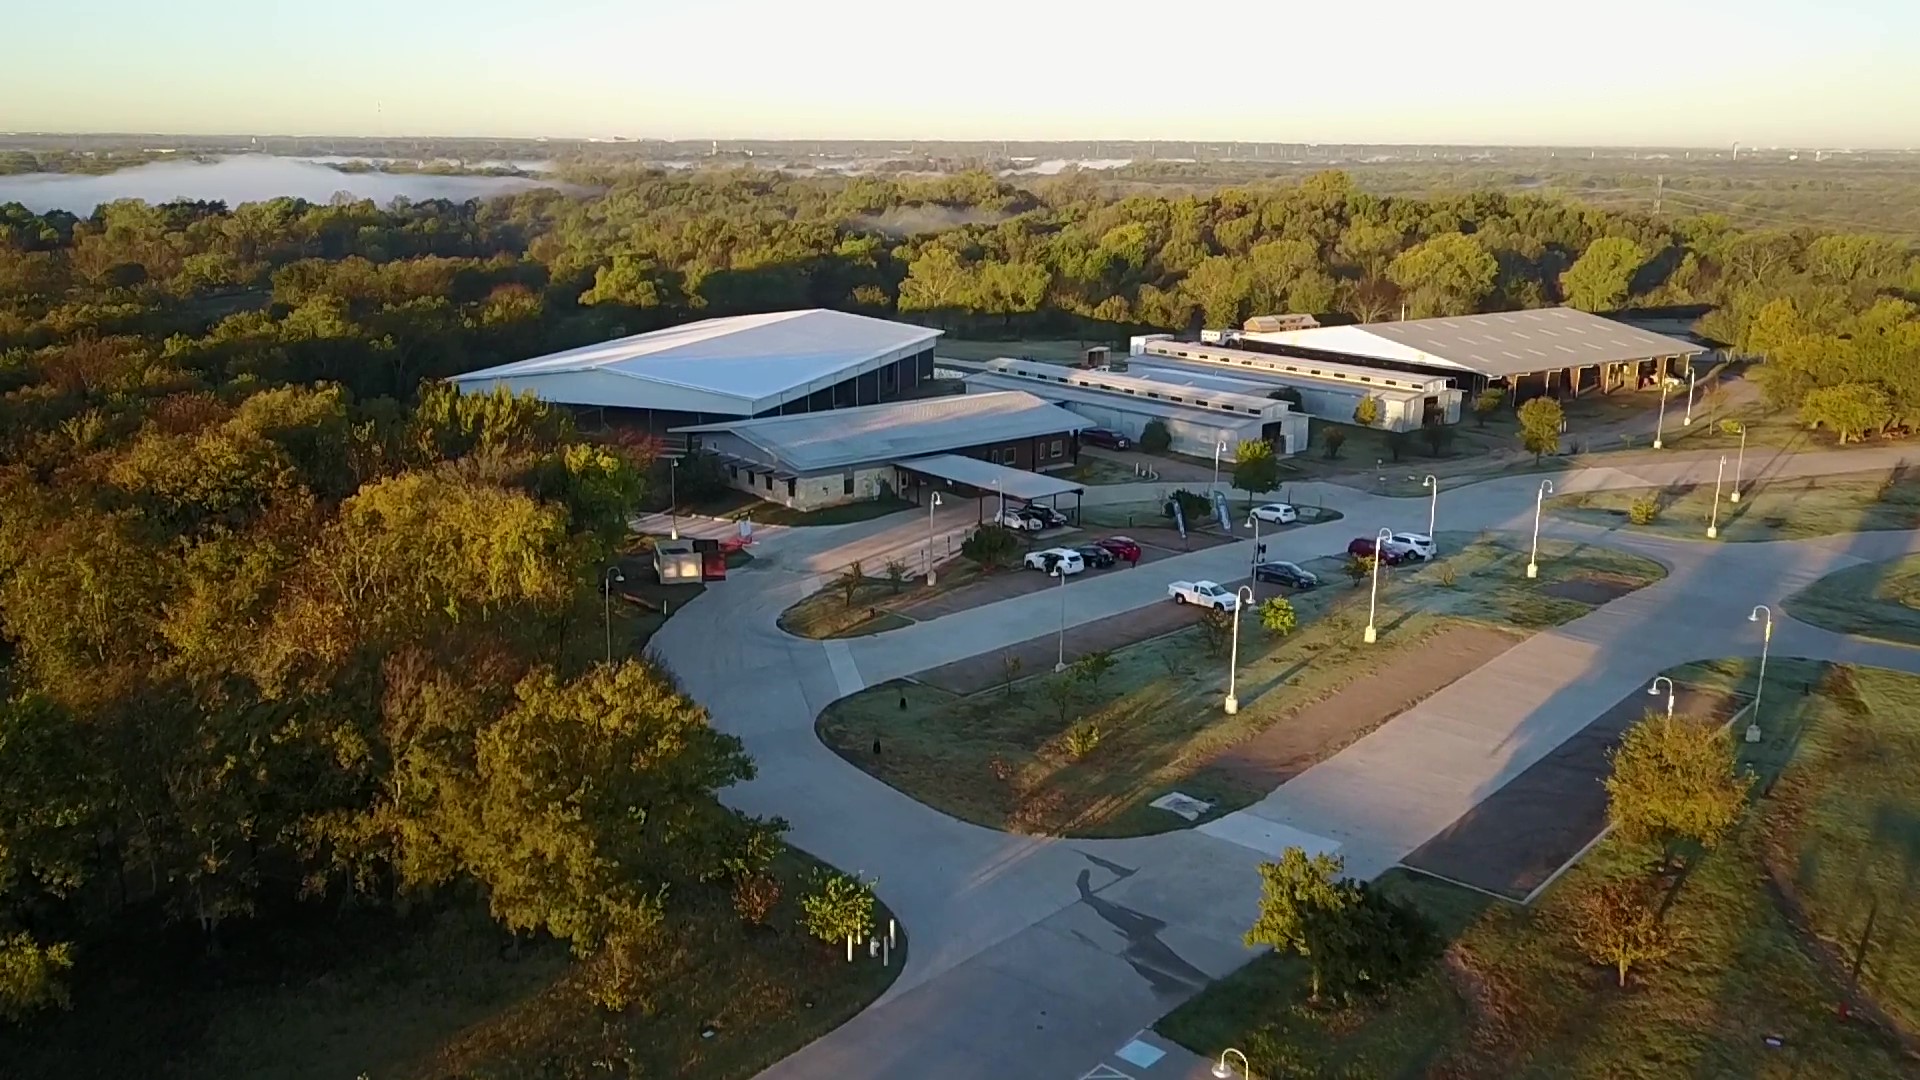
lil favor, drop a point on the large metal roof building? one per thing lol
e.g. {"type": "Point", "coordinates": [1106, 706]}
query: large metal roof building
{"type": "Point", "coordinates": [744, 365]}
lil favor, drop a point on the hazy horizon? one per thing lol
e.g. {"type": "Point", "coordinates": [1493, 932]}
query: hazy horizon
{"type": "Point", "coordinates": [1652, 74]}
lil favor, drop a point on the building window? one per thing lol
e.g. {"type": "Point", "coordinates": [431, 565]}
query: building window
{"type": "Point", "coordinates": [846, 484]}
{"type": "Point", "coordinates": [790, 484]}
{"type": "Point", "coordinates": [769, 481]}
{"type": "Point", "coordinates": [733, 473]}
{"type": "Point", "coordinates": [1006, 455]}
{"type": "Point", "coordinates": [1059, 448]}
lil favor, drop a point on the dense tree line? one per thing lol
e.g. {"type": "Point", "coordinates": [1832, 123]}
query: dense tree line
{"type": "Point", "coordinates": [282, 617]}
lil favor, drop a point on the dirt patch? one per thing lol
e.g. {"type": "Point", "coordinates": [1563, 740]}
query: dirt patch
{"type": "Point", "coordinates": [1595, 589]}
{"type": "Point", "coordinates": [1522, 834]}
{"type": "Point", "coordinates": [1294, 744]}
{"type": "Point", "coordinates": [1038, 654]}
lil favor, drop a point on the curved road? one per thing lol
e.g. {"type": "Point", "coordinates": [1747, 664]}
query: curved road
{"type": "Point", "coordinates": [1034, 957]}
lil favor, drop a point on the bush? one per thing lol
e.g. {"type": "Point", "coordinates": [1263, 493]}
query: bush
{"type": "Point", "coordinates": [1445, 574]}
{"type": "Point", "coordinates": [1215, 625]}
{"type": "Point", "coordinates": [896, 573]}
{"type": "Point", "coordinates": [1618, 924]}
{"type": "Point", "coordinates": [1358, 567]}
{"type": "Point", "coordinates": [837, 908]}
{"type": "Point", "coordinates": [1487, 404]}
{"type": "Point", "coordinates": [1278, 617]}
{"type": "Point", "coordinates": [1397, 445]}
{"type": "Point", "coordinates": [992, 546]}
{"type": "Point", "coordinates": [1083, 738]}
{"type": "Point", "coordinates": [1155, 438]}
{"type": "Point", "coordinates": [1366, 412]}
{"type": "Point", "coordinates": [849, 582]}
{"type": "Point", "coordinates": [754, 898]}
{"type": "Point", "coordinates": [1644, 510]}
{"type": "Point", "coordinates": [1540, 422]}
{"type": "Point", "coordinates": [1196, 506]}
{"type": "Point", "coordinates": [1332, 440]}
{"type": "Point", "coordinates": [1730, 427]}
{"type": "Point", "coordinates": [1439, 437]}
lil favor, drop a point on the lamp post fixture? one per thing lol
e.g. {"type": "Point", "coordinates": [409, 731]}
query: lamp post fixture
{"type": "Point", "coordinates": [1253, 522]}
{"type": "Point", "coordinates": [932, 505]}
{"type": "Point", "coordinates": [1654, 691]}
{"type": "Point", "coordinates": [1737, 463]}
{"type": "Point", "coordinates": [1243, 599]}
{"type": "Point", "coordinates": [1433, 505]}
{"type": "Point", "coordinates": [1060, 661]}
{"type": "Point", "coordinates": [1766, 641]}
{"type": "Point", "coordinates": [1218, 449]}
{"type": "Point", "coordinates": [1539, 501]}
{"type": "Point", "coordinates": [1660, 425]}
{"type": "Point", "coordinates": [607, 581]}
{"type": "Point", "coordinates": [1692, 371]}
{"type": "Point", "coordinates": [673, 497]}
{"type": "Point", "coordinates": [1003, 502]}
{"type": "Point", "coordinates": [1223, 1071]}
{"type": "Point", "coordinates": [1373, 598]}
{"type": "Point", "coordinates": [1713, 519]}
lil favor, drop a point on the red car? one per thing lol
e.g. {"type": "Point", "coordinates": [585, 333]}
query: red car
{"type": "Point", "coordinates": [1362, 546]}
{"type": "Point", "coordinates": [1122, 548]}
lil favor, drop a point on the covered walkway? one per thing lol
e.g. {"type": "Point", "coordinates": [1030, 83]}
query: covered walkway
{"type": "Point", "coordinates": [976, 479]}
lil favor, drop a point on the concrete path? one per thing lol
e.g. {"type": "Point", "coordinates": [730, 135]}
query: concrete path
{"type": "Point", "coordinates": [1034, 957]}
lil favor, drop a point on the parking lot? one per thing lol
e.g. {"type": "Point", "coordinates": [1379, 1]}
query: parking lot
{"type": "Point", "coordinates": [1155, 545]}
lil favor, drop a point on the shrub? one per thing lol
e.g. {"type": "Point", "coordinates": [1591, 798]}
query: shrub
{"type": "Point", "coordinates": [1366, 412]}
{"type": "Point", "coordinates": [1644, 510]}
{"type": "Point", "coordinates": [838, 907]}
{"type": "Point", "coordinates": [896, 573]}
{"type": "Point", "coordinates": [754, 898]}
{"type": "Point", "coordinates": [992, 546]}
{"type": "Point", "coordinates": [1358, 567]}
{"type": "Point", "coordinates": [1730, 427]}
{"type": "Point", "coordinates": [1194, 505]}
{"type": "Point", "coordinates": [1332, 441]}
{"type": "Point", "coordinates": [1618, 924]}
{"type": "Point", "coordinates": [1215, 625]}
{"type": "Point", "coordinates": [1397, 444]}
{"type": "Point", "coordinates": [1155, 438]}
{"type": "Point", "coordinates": [1487, 404]}
{"type": "Point", "coordinates": [1083, 738]}
{"type": "Point", "coordinates": [1278, 617]}
{"type": "Point", "coordinates": [1540, 422]}
{"type": "Point", "coordinates": [1445, 575]}
{"type": "Point", "coordinates": [1094, 667]}
{"type": "Point", "coordinates": [1009, 671]}
{"type": "Point", "coordinates": [1439, 437]}
{"type": "Point", "coordinates": [849, 582]}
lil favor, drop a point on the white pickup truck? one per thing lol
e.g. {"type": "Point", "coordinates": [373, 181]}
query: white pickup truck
{"type": "Point", "coordinates": [1204, 593]}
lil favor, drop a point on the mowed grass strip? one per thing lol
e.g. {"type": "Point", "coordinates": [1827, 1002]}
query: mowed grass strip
{"type": "Point", "coordinates": [1877, 600]}
{"type": "Point", "coordinates": [1764, 925]}
{"type": "Point", "coordinates": [1792, 509]}
{"type": "Point", "coordinates": [1006, 756]}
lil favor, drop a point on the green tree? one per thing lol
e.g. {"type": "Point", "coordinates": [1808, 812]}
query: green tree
{"type": "Point", "coordinates": [1850, 410]}
{"type": "Point", "coordinates": [1277, 616]}
{"type": "Point", "coordinates": [1486, 403]}
{"type": "Point", "coordinates": [1600, 279]}
{"type": "Point", "coordinates": [1155, 438]}
{"type": "Point", "coordinates": [1447, 275]}
{"type": "Point", "coordinates": [1357, 568]}
{"type": "Point", "coordinates": [1675, 778]}
{"type": "Point", "coordinates": [837, 907]}
{"type": "Point", "coordinates": [1094, 667]}
{"type": "Point", "coordinates": [1366, 412]}
{"type": "Point", "coordinates": [1255, 469]}
{"type": "Point", "coordinates": [1540, 421]}
{"type": "Point", "coordinates": [1353, 938]}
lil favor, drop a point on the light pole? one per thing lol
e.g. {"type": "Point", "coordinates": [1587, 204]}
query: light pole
{"type": "Point", "coordinates": [673, 497]}
{"type": "Point", "coordinates": [1060, 661]}
{"type": "Point", "coordinates": [1243, 598]}
{"type": "Point", "coordinates": [1253, 522]}
{"type": "Point", "coordinates": [1660, 425]}
{"type": "Point", "coordinates": [1713, 519]}
{"type": "Point", "coordinates": [1691, 372]}
{"type": "Point", "coordinates": [1737, 463]}
{"type": "Point", "coordinates": [1218, 449]}
{"type": "Point", "coordinates": [1003, 502]}
{"type": "Point", "coordinates": [932, 505]}
{"type": "Point", "coordinates": [1433, 507]}
{"type": "Point", "coordinates": [1766, 642]}
{"type": "Point", "coordinates": [1654, 691]}
{"type": "Point", "coordinates": [1539, 501]}
{"type": "Point", "coordinates": [607, 580]}
{"type": "Point", "coordinates": [1223, 1071]}
{"type": "Point", "coordinates": [1373, 599]}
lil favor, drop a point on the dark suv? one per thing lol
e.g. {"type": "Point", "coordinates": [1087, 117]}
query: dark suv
{"type": "Point", "coordinates": [1095, 556]}
{"type": "Point", "coordinates": [1047, 516]}
{"type": "Point", "coordinates": [1362, 546]}
{"type": "Point", "coordinates": [1099, 436]}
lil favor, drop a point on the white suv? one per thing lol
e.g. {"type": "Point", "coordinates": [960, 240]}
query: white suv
{"type": "Point", "coordinates": [1417, 545]}
{"type": "Point", "coordinates": [1064, 560]}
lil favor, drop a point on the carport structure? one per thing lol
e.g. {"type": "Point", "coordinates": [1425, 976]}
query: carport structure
{"type": "Point", "coordinates": [972, 478]}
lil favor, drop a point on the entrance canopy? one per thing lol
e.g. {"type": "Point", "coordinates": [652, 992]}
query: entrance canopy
{"type": "Point", "coordinates": [985, 476]}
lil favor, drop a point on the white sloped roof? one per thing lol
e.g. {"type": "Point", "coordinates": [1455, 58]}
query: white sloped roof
{"type": "Point", "coordinates": [1495, 344]}
{"type": "Point", "coordinates": [743, 364]}
{"type": "Point", "coordinates": [896, 431]}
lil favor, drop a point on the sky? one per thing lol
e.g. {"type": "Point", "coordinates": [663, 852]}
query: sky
{"type": "Point", "coordinates": [1830, 73]}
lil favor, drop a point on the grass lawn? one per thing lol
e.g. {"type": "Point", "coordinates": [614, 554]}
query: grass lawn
{"type": "Point", "coordinates": [1771, 510]}
{"type": "Point", "coordinates": [1877, 600]}
{"type": "Point", "coordinates": [1515, 997]}
{"type": "Point", "coordinates": [1094, 470]}
{"type": "Point", "coordinates": [1000, 758]}
{"type": "Point", "coordinates": [827, 614]}
{"type": "Point", "coordinates": [1050, 350]}
{"type": "Point", "coordinates": [445, 994]}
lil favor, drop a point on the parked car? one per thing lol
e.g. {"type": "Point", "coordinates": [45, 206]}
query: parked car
{"type": "Point", "coordinates": [1064, 560]}
{"type": "Point", "coordinates": [1362, 546]}
{"type": "Point", "coordinates": [1416, 545]}
{"type": "Point", "coordinates": [1205, 593]}
{"type": "Point", "coordinates": [1013, 520]}
{"type": "Point", "coordinates": [1273, 514]}
{"type": "Point", "coordinates": [1097, 557]}
{"type": "Point", "coordinates": [1047, 516]}
{"type": "Point", "coordinates": [1099, 436]}
{"type": "Point", "coordinates": [1123, 547]}
{"type": "Point", "coordinates": [1285, 573]}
